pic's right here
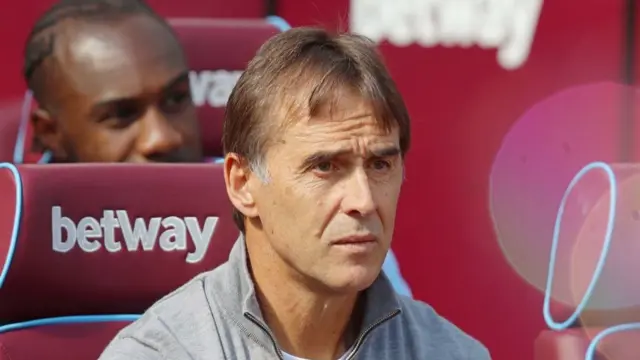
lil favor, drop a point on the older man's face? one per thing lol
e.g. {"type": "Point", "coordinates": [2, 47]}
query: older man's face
{"type": "Point", "coordinates": [328, 208]}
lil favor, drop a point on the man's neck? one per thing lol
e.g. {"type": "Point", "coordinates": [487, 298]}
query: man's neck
{"type": "Point", "coordinates": [305, 324]}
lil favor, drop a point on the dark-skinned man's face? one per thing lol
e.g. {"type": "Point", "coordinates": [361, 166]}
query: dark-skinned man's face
{"type": "Point", "coordinates": [118, 91]}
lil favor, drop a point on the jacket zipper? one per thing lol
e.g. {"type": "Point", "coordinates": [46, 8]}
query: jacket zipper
{"type": "Point", "coordinates": [357, 346]}
{"type": "Point", "coordinates": [268, 332]}
{"type": "Point", "coordinates": [366, 332]}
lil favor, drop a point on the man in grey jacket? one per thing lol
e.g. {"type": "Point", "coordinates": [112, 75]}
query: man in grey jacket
{"type": "Point", "coordinates": [315, 138]}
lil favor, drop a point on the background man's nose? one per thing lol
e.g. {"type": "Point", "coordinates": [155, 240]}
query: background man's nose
{"type": "Point", "coordinates": [158, 137]}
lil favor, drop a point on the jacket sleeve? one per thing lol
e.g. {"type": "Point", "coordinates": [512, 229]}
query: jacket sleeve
{"type": "Point", "coordinates": [479, 352]}
{"type": "Point", "coordinates": [149, 338]}
{"type": "Point", "coordinates": [128, 348]}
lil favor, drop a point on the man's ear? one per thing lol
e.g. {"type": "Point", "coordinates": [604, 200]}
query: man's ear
{"type": "Point", "coordinates": [46, 134]}
{"type": "Point", "coordinates": [236, 178]}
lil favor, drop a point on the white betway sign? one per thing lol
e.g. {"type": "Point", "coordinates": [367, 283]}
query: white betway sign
{"type": "Point", "coordinates": [507, 25]}
{"type": "Point", "coordinates": [211, 87]}
{"type": "Point", "coordinates": [169, 233]}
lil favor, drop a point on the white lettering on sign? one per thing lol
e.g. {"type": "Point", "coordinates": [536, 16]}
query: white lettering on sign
{"type": "Point", "coordinates": [170, 233]}
{"type": "Point", "coordinates": [508, 25]}
{"type": "Point", "coordinates": [212, 88]}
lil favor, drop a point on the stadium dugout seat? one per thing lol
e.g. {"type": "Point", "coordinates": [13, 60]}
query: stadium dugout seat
{"type": "Point", "coordinates": [89, 247]}
{"type": "Point", "coordinates": [600, 319]}
{"type": "Point", "coordinates": [608, 343]}
{"type": "Point", "coordinates": [218, 50]}
{"type": "Point", "coordinates": [583, 333]}
{"type": "Point", "coordinates": [611, 334]}
{"type": "Point", "coordinates": [10, 115]}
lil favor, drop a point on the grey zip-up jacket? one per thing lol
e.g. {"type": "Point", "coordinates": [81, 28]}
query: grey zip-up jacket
{"type": "Point", "coordinates": [216, 316]}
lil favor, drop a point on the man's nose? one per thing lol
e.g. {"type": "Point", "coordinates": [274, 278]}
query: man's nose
{"type": "Point", "coordinates": [158, 137]}
{"type": "Point", "coordinates": [358, 198]}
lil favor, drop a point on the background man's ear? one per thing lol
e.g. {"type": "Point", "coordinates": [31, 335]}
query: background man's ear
{"type": "Point", "coordinates": [46, 135]}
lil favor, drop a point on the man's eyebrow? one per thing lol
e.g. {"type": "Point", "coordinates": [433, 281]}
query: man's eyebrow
{"type": "Point", "coordinates": [386, 152]}
{"type": "Point", "coordinates": [128, 100]}
{"type": "Point", "coordinates": [322, 156]}
{"type": "Point", "coordinates": [106, 104]}
{"type": "Point", "coordinates": [182, 77]}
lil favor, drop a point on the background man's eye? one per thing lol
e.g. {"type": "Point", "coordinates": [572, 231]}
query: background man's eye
{"type": "Point", "coordinates": [178, 97]}
{"type": "Point", "coordinates": [126, 113]}
{"type": "Point", "coordinates": [122, 116]}
{"type": "Point", "coordinates": [175, 101]}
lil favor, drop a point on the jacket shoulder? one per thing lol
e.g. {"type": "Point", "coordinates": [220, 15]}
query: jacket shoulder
{"type": "Point", "coordinates": [168, 328]}
{"type": "Point", "coordinates": [433, 330]}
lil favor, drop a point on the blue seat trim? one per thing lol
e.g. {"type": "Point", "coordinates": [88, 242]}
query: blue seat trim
{"type": "Point", "coordinates": [21, 138]}
{"type": "Point", "coordinates": [593, 345]}
{"type": "Point", "coordinates": [279, 22]}
{"type": "Point", "coordinates": [65, 320]}
{"type": "Point", "coordinates": [546, 307]}
{"type": "Point", "coordinates": [16, 220]}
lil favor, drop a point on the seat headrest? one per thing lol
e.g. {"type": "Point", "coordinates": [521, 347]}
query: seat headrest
{"type": "Point", "coordinates": [83, 239]}
{"type": "Point", "coordinates": [218, 51]}
{"type": "Point", "coordinates": [10, 116]}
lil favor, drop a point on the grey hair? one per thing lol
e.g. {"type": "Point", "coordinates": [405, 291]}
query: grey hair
{"type": "Point", "coordinates": [258, 166]}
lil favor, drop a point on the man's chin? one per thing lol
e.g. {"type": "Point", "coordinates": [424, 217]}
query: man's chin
{"type": "Point", "coordinates": [352, 279]}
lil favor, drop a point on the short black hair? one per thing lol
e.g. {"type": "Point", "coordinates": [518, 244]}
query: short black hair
{"type": "Point", "coordinates": [41, 41]}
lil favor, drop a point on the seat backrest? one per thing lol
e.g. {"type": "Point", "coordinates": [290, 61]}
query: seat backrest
{"type": "Point", "coordinates": [218, 51]}
{"type": "Point", "coordinates": [11, 114]}
{"type": "Point", "coordinates": [89, 247]}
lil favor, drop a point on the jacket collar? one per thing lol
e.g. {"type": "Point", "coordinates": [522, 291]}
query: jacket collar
{"type": "Point", "coordinates": [235, 291]}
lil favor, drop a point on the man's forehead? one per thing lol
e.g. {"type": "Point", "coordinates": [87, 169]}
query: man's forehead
{"type": "Point", "coordinates": [359, 136]}
{"type": "Point", "coordinates": [116, 57]}
{"type": "Point", "coordinates": [344, 122]}
{"type": "Point", "coordinates": [357, 122]}
{"type": "Point", "coordinates": [136, 34]}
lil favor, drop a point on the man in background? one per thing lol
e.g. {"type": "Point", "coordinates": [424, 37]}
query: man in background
{"type": "Point", "coordinates": [111, 82]}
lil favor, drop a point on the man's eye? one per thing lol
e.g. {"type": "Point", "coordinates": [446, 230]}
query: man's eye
{"type": "Point", "coordinates": [380, 165]}
{"type": "Point", "coordinates": [324, 166]}
{"type": "Point", "coordinates": [175, 101]}
{"type": "Point", "coordinates": [122, 116]}
{"type": "Point", "coordinates": [126, 113]}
